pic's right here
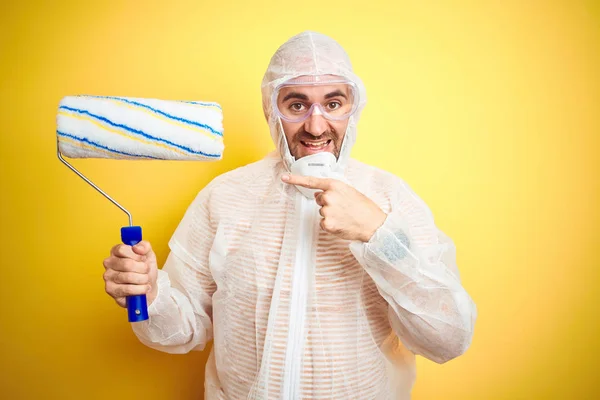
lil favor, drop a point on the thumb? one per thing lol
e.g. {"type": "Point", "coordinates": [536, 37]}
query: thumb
{"type": "Point", "coordinates": [143, 248]}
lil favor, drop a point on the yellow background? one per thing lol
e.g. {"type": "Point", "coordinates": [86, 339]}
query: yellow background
{"type": "Point", "coordinates": [488, 109]}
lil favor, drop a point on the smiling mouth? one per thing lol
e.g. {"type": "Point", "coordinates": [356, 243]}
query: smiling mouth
{"type": "Point", "coordinates": [316, 145]}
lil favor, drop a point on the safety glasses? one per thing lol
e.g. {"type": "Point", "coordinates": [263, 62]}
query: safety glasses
{"type": "Point", "coordinates": [336, 99]}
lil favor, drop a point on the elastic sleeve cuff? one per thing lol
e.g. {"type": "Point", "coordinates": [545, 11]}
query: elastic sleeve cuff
{"type": "Point", "coordinates": [163, 283]}
{"type": "Point", "coordinates": [390, 242]}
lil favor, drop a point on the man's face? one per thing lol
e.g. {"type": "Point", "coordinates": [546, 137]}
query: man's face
{"type": "Point", "coordinates": [315, 134]}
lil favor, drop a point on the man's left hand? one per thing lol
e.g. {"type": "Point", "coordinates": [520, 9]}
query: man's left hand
{"type": "Point", "coordinates": [346, 212]}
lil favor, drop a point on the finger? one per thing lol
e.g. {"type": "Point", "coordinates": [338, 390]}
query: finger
{"type": "Point", "coordinates": [307, 181]}
{"type": "Point", "coordinates": [129, 278]}
{"type": "Point", "coordinates": [319, 198]}
{"type": "Point", "coordinates": [323, 225]}
{"type": "Point", "coordinates": [116, 290]}
{"type": "Point", "coordinates": [325, 211]}
{"type": "Point", "coordinates": [121, 301]}
{"type": "Point", "coordinates": [327, 225]}
{"type": "Point", "coordinates": [125, 251]}
{"type": "Point", "coordinates": [127, 265]}
{"type": "Point", "coordinates": [143, 248]}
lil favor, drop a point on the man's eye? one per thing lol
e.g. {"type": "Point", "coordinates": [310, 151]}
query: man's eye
{"type": "Point", "coordinates": [297, 106]}
{"type": "Point", "coordinates": [334, 105]}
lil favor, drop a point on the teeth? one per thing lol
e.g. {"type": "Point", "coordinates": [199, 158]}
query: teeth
{"type": "Point", "coordinates": [317, 144]}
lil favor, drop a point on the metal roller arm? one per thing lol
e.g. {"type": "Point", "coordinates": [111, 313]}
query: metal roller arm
{"type": "Point", "coordinates": [72, 168]}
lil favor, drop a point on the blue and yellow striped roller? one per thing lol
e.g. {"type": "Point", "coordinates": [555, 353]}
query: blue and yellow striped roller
{"type": "Point", "coordinates": [135, 128]}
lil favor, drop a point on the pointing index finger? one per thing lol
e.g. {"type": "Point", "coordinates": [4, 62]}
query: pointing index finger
{"type": "Point", "coordinates": [125, 251]}
{"type": "Point", "coordinates": [307, 181]}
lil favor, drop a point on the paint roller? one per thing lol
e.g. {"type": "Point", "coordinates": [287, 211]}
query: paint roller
{"type": "Point", "coordinates": [137, 129]}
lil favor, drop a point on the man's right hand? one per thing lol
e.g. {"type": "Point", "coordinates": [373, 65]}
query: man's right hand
{"type": "Point", "coordinates": [131, 271]}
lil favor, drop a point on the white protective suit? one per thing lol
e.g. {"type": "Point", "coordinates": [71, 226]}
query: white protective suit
{"type": "Point", "coordinates": [296, 312]}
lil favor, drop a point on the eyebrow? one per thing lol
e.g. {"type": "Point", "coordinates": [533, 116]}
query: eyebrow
{"type": "Point", "coordinates": [295, 95]}
{"type": "Point", "coordinates": [336, 94]}
{"type": "Point", "coordinates": [302, 96]}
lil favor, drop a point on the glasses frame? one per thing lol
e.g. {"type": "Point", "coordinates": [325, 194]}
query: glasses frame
{"type": "Point", "coordinates": [310, 111]}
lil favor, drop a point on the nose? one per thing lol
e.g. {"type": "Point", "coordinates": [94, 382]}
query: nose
{"type": "Point", "coordinates": [316, 124]}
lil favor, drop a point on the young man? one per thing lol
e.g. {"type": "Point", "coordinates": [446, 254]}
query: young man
{"type": "Point", "coordinates": [317, 276]}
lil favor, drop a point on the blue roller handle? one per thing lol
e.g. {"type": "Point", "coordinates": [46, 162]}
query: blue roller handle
{"type": "Point", "coordinates": [137, 307]}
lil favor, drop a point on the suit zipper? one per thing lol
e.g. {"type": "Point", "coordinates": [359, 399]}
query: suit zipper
{"type": "Point", "coordinates": [299, 298]}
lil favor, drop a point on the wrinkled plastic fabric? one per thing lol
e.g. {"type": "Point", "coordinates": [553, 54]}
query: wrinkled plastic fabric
{"type": "Point", "coordinates": [296, 312]}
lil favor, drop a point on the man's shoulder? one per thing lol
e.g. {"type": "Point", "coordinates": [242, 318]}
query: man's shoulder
{"type": "Point", "coordinates": [248, 170]}
{"type": "Point", "coordinates": [361, 174]}
{"type": "Point", "coordinates": [238, 180]}
{"type": "Point", "coordinates": [383, 186]}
